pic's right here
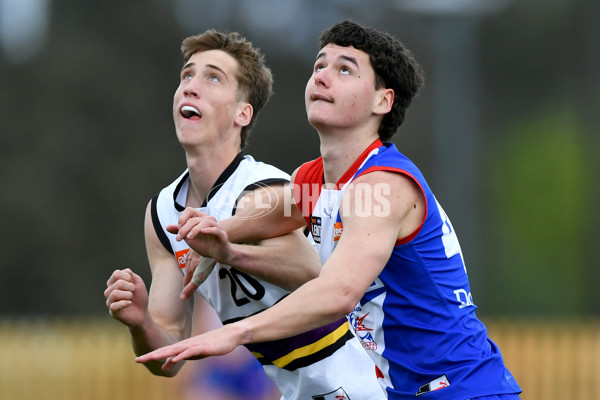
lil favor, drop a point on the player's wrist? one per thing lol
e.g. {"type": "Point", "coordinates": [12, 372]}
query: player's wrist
{"type": "Point", "coordinates": [242, 332]}
{"type": "Point", "coordinates": [233, 256]}
{"type": "Point", "coordinates": [141, 328]}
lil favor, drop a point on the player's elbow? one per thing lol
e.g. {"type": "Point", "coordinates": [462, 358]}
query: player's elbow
{"type": "Point", "coordinates": [336, 296]}
{"type": "Point", "coordinates": [348, 304]}
{"type": "Point", "coordinates": [345, 300]}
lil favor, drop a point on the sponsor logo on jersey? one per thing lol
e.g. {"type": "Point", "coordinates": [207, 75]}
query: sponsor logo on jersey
{"type": "Point", "coordinates": [436, 384]}
{"type": "Point", "coordinates": [464, 298]}
{"type": "Point", "coordinates": [337, 231]}
{"type": "Point", "coordinates": [338, 394]}
{"type": "Point", "coordinates": [315, 228]}
{"type": "Point", "coordinates": [182, 257]}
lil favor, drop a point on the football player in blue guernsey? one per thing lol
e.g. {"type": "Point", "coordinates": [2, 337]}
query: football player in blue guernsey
{"type": "Point", "coordinates": [223, 85]}
{"type": "Point", "coordinates": [392, 261]}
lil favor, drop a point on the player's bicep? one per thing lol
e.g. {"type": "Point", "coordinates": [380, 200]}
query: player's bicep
{"type": "Point", "coordinates": [376, 210]}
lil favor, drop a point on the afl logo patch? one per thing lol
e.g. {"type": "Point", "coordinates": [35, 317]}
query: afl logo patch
{"type": "Point", "coordinates": [315, 228]}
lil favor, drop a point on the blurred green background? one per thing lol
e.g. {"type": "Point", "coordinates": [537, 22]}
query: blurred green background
{"type": "Point", "coordinates": [505, 129]}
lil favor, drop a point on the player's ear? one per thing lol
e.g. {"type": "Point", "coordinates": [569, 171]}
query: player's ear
{"type": "Point", "coordinates": [384, 101]}
{"type": "Point", "coordinates": [244, 114]}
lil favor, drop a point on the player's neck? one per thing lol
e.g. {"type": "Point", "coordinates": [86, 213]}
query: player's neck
{"type": "Point", "coordinates": [339, 153]}
{"type": "Point", "coordinates": [205, 166]}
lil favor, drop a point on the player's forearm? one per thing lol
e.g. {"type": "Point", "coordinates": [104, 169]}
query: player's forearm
{"type": "Point", "coordinates": [149, 337]}
{"type": "Point", "coordinates": [314, 304]}
{"type": "Point", "coordinates": [287, 261]}
{"type": "Point", "coordinates": [252, 223]}
{"type": "Point", "coordinates": [241, 230]}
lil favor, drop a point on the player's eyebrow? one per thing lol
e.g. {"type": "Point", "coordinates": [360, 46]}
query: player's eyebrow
{"type": "Point", "coordinates": [351, 60]}
{"type": "Point", "coordinates": [191, 64]}
{"type": "Point", "coordinates": [188, 65]}
{"type": "Point", "coordinates": [218, 69]}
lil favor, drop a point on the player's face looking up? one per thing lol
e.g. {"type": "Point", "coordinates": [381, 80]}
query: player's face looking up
{"type": "Point", "coordinates": [206, 105]}
{"type": "Point", "coordinates": [341, 91]}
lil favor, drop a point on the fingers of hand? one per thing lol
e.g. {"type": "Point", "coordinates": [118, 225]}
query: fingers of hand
{"type": "Point", "coordinates": [172, 229]}
{"type": "Point", "coordinates": [188, 291]}
{"type": "Point", "coordinates": [124, 274]}
{"type": "Point", "coordinates": [118, 306]}
{"type": "Point", "coordinates": [191, 260]}
{"type": "Point", "coordinates": [215, 231]}
{"type": "Point", "coordinates": [187, 277]}
{"type": "Point", "coordinates": [194, 225]}
{"type": "Point", "coordinates": [191, 353]}
{"type": "Point", "coordinates": [189, 349]}
{"type": "Point", "coordinates": [168, 365]}
{"type": "Point", "coordinates": [160, 354]}
{"type": "Point", "coordinates": [188, 213]}
{"type": "Point", "coordinates": [202, 271]}
{"type": "Point", "coordinates": [119, 294]}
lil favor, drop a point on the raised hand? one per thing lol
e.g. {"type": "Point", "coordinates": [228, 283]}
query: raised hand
{"type": "Point", "coordinates": [191, 221]}
{"type": "Point", "coordinates": [203, 234]}
{"type": "Point", "coordinates": [127, 297]}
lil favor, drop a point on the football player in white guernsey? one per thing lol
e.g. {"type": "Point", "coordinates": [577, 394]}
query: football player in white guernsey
{"type": "Point", "coordinates": [223, 85]}
{"type": "Point", "coordinates": [392, 261]}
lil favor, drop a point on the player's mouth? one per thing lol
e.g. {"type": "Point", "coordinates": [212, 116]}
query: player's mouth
{"type": "Point", "coordinates": [319, 96]}
{"type": "Point", "coordinates": [189, 112]}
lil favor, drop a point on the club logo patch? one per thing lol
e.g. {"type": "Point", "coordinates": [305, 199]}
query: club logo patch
{"type": "Point", "coordinates": [362, 330]}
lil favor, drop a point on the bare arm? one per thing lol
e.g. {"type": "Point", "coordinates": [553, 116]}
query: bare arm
{"type": "Point", "coordinates": [287, 261]}
{"type": "Point", "coordinates": [262, 214]}
{"type": "Point", "coordinates": [157, 318]}
{"type": "Point", "coordinates": [361, 254]}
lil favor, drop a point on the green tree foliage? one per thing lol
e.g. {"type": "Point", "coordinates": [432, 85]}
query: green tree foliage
{"type": "Point", "coordinates": [539, 186]}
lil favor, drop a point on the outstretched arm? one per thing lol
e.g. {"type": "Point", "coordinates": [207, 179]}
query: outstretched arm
{"type": "Point", "coordinates": [362, 252]}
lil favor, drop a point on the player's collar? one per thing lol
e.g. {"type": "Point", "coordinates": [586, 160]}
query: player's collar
{"type": "Point", "coordinates": [357, 163]}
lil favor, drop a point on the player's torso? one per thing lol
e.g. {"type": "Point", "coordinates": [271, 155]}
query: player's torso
{"type": "Point", "coordinates": [232, 293]}
{"type": "Point", "coordinates": [424, 284]}
{"type": "Point", "coordinates": [324, 363]}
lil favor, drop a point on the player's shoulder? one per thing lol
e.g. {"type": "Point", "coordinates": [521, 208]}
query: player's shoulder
{"type": "Point", "coordinates": [310, 171]}
{"type": "Point", "coordinates": [251, 166]}
{"type": "Point", "coordinates": [394, 178]}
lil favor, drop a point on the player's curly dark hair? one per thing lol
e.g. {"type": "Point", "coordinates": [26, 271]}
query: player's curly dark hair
{"type": "Point", "coordinates": [394, 65]}
{"type": "Point", "coordinates": [254, 77]}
